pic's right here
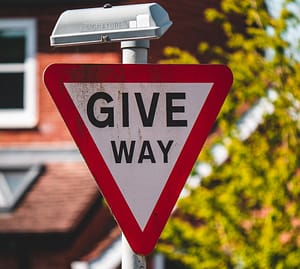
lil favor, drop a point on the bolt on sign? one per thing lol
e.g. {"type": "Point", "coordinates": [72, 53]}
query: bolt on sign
{"type": "Point", "coordinates": [140, 129]}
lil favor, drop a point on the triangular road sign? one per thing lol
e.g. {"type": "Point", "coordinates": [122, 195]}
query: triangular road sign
{"type": "Point", "coordinates": [140, 129]}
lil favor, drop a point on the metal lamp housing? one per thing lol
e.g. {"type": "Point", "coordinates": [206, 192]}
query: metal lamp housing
{"type": "Point", "coordinates": [110, 24]}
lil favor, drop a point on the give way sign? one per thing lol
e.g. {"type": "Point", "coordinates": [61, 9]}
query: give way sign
{"type": "Point", "coordinates": [140, 129]}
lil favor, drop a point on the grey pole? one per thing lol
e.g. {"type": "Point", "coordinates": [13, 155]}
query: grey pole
{"type": "Point", "coordinates": [130, 260]}
{"type": "Point", "coordinates": [133, 52]}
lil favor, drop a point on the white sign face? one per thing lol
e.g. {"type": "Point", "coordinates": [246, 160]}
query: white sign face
{"type": "Point", "coordinates": [140, 130]}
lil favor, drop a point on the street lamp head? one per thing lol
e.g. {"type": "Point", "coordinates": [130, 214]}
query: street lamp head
{"type": "Point", "coordinates": [110, 24]}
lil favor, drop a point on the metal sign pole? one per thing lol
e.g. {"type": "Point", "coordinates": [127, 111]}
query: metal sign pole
{"type": "Point", "coordinates": [133, 52]}
{"type": "Point", "coordinates": [130, 260]}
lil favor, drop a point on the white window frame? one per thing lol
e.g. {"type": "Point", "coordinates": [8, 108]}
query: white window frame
{"type": "Point", "coordinates": [27, 116]}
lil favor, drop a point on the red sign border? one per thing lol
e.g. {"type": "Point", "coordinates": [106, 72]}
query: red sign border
{"type": "Point", "coordinates": [142, 242]}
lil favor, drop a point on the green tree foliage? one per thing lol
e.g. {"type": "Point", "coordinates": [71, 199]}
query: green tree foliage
{"type": "Point", "coordinates": [246, 213]}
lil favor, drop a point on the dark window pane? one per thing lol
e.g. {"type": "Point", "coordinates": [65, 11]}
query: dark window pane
{"type": "Point", "coordinates": [12, 46]}
{"type": "Point", "coordinates": [11, 91]}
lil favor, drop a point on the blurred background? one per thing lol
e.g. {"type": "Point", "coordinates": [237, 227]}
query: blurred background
{"type": "Point", "coordinates": [240, 206]}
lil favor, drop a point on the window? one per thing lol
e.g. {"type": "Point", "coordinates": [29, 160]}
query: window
{"type": "Point", "coordinates": [14, 181]}
{"type": "Point", "coordinates": [18, 107]}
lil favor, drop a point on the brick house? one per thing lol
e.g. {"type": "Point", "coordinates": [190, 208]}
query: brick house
{"type": "Point", "coordinates": [51, 212]}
